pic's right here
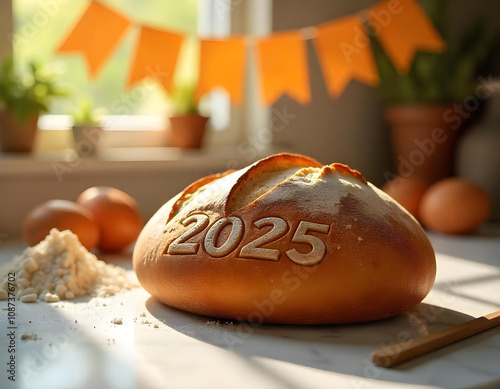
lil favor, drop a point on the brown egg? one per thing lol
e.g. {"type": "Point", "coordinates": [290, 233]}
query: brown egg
{"type": "Point", "coordinates": [116, 214]}
{"type": "Point", "coordinates": [63, 215]}
{"type": "Point", "coordinates": [454, 206]}
{"type": "Point", "coordinates": [407, 191]}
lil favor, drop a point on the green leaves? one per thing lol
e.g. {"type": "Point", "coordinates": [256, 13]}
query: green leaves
{"type": "Point", "coordinates": [28, 94]}
{"type": "Point", "coordinates": [183, 99]}
{"type": "Point", "coordinates": [85, 114]}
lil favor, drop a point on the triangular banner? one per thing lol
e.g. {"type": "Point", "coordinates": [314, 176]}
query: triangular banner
{"type": "Point", "coordinates": [222, 64]}
{"type": "Point", "coordinates": [344, 52]}
{"type": "Point", "coordinates": [96, 35]}
{"type": "Point", "coordinates": [342, 46]}
{"type": "Point", "coordinates": [405, 33]}
{"type": "Point", "coordinates": [155, 56]}
{"type": "Point", "coordinates": [282, 64]}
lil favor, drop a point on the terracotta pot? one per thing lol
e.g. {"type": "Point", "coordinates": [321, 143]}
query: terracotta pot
{"type": "Point", "coordinates": [187, 131]}
{"type": "Point", "coordinates": [14, 136]}
{"type": "Point", "coordinates": [423, 140]}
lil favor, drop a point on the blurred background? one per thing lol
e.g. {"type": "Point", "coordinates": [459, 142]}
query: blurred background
{"type": "Point", "coordinates": [135, 149]}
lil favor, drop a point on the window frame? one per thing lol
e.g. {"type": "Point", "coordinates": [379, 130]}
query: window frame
{"type": "Point", "coordinates": [249, 18]}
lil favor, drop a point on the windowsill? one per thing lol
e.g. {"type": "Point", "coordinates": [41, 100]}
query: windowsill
{"type": "Point", "coordinates": [151, 175]}
{"type": "Point", "coordinates": [127, 159]}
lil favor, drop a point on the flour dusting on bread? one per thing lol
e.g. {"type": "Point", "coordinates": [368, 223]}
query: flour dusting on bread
{"type": "Point", "coordinates": [324, 187]}
{"type": "Point", "coordinates": [259, 186]}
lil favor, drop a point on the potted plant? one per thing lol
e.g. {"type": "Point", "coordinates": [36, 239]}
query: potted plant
{"type": "Point", "coordinates": [87, 128]}
{"type": "Point", "coordinates": [425, 108]}
{"type": "Point", "coordinates": [22, 99]}
{"type": "Point", "coordinates": [187, 126]}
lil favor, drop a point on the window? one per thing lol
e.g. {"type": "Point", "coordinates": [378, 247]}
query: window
{"type": "Point", "coordinates": [40, 26]}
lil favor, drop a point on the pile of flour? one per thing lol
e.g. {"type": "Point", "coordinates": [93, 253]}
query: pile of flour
{"type": "Point", "coordinates": [60, 268]}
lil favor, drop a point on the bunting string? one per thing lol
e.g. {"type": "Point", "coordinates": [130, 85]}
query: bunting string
{"type": "Point", "coordinates": [342, 46]}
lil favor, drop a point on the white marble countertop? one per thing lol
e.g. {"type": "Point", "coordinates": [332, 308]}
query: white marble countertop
{"type": "Point", "coordinates": [79, 347]}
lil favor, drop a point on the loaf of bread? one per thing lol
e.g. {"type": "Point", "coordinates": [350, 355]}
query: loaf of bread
{"type": "Point", "coordinates": [286, 240]}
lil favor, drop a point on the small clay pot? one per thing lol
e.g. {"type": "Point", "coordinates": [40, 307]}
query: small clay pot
{"type": "Point", "coordinates": [17, 137]}
{"type": "Point", "coordinates": [87, 139]}
{"type": "Point", "coordinates": [187, 131]}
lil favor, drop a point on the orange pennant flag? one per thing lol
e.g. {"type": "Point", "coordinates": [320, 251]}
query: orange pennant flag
{"type": "Point", "coordinates": [404, 32]}
{"type": "Point", "coordinates": [96, 35]}
{"type": "Point", "coordinates": [222, 64]}
{"type": "Point", "coordinates": [344, 52]}
{"type": "Point", "coordinates": [282, 63]}
{"type": "Point", "coordinates": [156, 56]}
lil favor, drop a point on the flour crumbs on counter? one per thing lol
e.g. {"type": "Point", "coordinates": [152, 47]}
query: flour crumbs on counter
{"type": "Point", "coordinates": [29, 337]}
{"type": "Point", "coordinates": [29, 298]}
{"type": "Point", "coordinates": [60, 268]}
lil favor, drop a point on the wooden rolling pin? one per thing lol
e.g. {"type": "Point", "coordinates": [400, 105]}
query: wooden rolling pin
{"type": "Point", "coordinates": [396, 354]}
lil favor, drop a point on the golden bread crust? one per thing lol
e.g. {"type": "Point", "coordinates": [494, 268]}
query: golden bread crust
{"type": "Point", "coordinates": [286, 240]}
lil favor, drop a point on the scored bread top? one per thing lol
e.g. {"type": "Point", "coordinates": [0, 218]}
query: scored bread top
{"type": "Point", "coordinates": [192, 191]}
{"type": "Point", "coordinates": [294, 178]}
{"type": "Point", "coordinates": [232, 190]}
{"type": "Point", "coordinates": [243, 187]}
{"type": "Point", "coordinates": [264, 175]}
